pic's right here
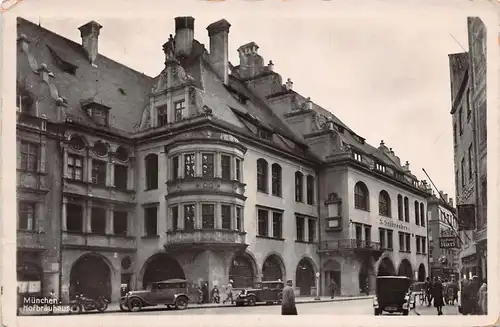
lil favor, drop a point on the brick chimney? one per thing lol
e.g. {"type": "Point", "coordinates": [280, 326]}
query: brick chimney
{"type": "Point", "coordinates": [251, 63]}
{"type": "Point", "coordinates": [90, 39]}
{"type": "Point", "coordinates": [219, 48]}
{"type": "Point", "coordinates": [184, 35]}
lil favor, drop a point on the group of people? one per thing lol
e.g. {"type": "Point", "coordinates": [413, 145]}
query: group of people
{"type": "Point", "coordinates": [473, 295]}
{"type": "Point", "coordinates": [203, 293]}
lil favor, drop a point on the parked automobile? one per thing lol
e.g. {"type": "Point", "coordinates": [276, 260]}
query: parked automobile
{"type": "Point", "coordinates": [393, 294]}
{"type": "Point", "coordinates": [173, 293]}
{"type": "Point", "coordinates": [82, 303]}
{"type": "Point", "coordinates": [269, 292]}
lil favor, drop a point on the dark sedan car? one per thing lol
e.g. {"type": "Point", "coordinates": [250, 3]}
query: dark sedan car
{"type": "Point", "coordinates": [268, 292]}
{"type": "Point", "coordinates": [393, 294]}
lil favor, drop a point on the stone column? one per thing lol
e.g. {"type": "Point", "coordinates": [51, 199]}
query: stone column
{"type": "Point", "coordinates": [306, 229]}
{"type": "Point", "coordinates": [186, 102]}
{"type": "Point", "coordinates": [181, 218]}
{"type": "Point", "coordinates": [43, 157]}
{"type": "Point", "coordinates": [131, 175]}
{"type": "Point", "coordinates": [218, 216]}
{"type": "Point", "coordinates": [109, 219]}
{"type": "Point", "coordinates": [181, 166]}
{"type": "Point", "coordinates": [65, 162]}
{"type": "Point", "coordinates": [197, 216]}
{"type": "Point", "coordinates": [64, 214]}
{"type": "Point", "coordinates": [197, 169]}
{"type": "Point", "coordinates": [270, 224]}
{"type": "Point", "coordinates": [217, 165]}
{"type": "Point", "coordinates": [111, 170]}
{"type": "Point", "coordinates": [89, 167]}
{"type": "Point", "coordinates": [88, 218]}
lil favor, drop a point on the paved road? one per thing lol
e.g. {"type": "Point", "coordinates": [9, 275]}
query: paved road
{"type": "Point", "coordinates": [354, 307]}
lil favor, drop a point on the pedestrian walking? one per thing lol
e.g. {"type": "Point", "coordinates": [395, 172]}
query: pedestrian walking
{"type": "Point", "coordinates": [437, 294]}
{"type": "Point", "coordinates": [229, 292]}
{"type": "Point", "coordinates": [332, 288]}
{"type": "Point", "coordinates": [206, 292]}
{"type": "Point", "coordinates": [472, 296]}
{"type": "Point", "coordinates": [483, 298]}
{"type": "Point", "coordinates": [428, 291]}
{"type": "Point", "coordinates": [288, 304]}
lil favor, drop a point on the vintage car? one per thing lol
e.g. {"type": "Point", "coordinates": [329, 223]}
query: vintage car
{"type": "Point", "coordinates": [269, 292]}
{"type": "Point", "coordinates": [393, 294]}
{"type": "Point", "coordinates": [173, 293]}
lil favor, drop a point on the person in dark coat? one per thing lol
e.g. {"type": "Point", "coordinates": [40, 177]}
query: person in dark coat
{"type": "Point", "coordinates": [288, 303]}
{"type": "Point", "coordinates": [437, 294]}
{"type": "Point", "coordinates": [332, 288]}
{"type": "Point", "coordinates": [428, 291]}
{"type": "Point", "coordinates": [206, 292]}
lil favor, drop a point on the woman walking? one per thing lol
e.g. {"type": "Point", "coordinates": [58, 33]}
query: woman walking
{"type": "Point", "coordinates": [437, 294]}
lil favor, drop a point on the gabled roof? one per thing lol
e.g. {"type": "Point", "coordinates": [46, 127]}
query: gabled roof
{"type": "Point", "coordinates": [112, 84]}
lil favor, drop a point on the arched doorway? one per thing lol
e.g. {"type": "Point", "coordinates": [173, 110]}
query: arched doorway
{"type": "Point", "coordinates": [29, 279]}
{"type": "Point", "coordinates": [421, 273]}
{"type": "Point", "coordinates": [272, 269]}
{"type": "Point", "coordinates": [161, 267]}
{"type": "Point", "coordinates": [242, 271]}
{"type": "Point", "coordinates": [332, 272]}
{"type": "Point", "coordinates": [305, 276]}
{"type": "Point", "coordinates": [405, 269]}
{"type": "Point", "coordinates": [386, 268]}
{"type": "Point", "coordinates": [91, 276]}
{"type": "Point", "coordinates": [365, 276]}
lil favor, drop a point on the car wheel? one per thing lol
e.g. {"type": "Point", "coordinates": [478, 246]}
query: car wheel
{"type": "Point", "coordinates": [405, 312]}
{"type": "Point", "coordinates": [135, 305]}
{"type": "Point", "coordinates": [251, 301]}
{"type": "Point", "coordinates": [239, 304]}
{"type": "Point", "coordinates": [123, 306]}
{"type": "Point", "coordinates": [75, 308]}
{"type": "Point", "coordinates": [101, 305]}
{"type": "Point", "coordinates": [181, 303]}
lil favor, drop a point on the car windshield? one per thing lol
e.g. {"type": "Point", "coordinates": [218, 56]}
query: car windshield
{"type": "Point", "coordinates": [392, 287]}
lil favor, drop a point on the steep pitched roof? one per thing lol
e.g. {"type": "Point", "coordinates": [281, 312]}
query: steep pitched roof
{"type": "Point", "coordinates": [112, 84]}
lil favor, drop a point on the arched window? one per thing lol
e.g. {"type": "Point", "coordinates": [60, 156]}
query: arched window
{"type": "Point", "coordinates": [417, 213]}
{"type": "Point", "coordinates": [310, 189]}
{"type": "Point", "coordinates": [299, 186]}
{"type": "Point", "coordinates": [276, 179]}
{"type": "Point", "coordinates": [77, 142]}
{"type": "Point", "coordinates": [361, 196]}
{"type": "Point", "coordinates": [100, 148]}
{"type": "Point", "coordinates": [262, 175]}
{"type": "Point", "coordinates": [422, 215]}
{"type": "Point", "coordinates": [407, 209]}
{"type": "Point", "coordinates": [384, 204]}
{"type": "Point", "coordinates": [400, 207]}
{"type": "Point", "coordinates": [151, 163]}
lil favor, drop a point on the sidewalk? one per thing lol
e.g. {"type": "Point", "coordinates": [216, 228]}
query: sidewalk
{"type": "Point", "coordinates": [424, 310]}
{"type": "Point", "coordinates": [114, 307]}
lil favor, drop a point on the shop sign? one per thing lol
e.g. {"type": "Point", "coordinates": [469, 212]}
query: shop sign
{"type": "Point", "coordinates": [448, 242]}
{"type": "Point", "coordinates": [393, 224]}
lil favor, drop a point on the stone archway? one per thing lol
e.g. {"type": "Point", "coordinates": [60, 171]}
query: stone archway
{"type": "Point", "coordinates": [242, 271]}
{"type": "Point", "coordinates": [386, 267]}
{"type": "Point", "coordinates": [304, 277]}
{"type": "Point", "coordinates": [366, 277]}
{"type": "Point", "coordinates": [332, 271]}
{"type": "Point", "coordinates": [273, 268]}
{"type": "Point", "coordinates": [91, 276]}
{"type": "Point", "coordinates": [161, 267]}
{"type": "Point", "coordinates": [421, 273]}
{"type": "Point", "coordinates": [405, 269]}
{"type": "Point", "coordinates": [29, 278]}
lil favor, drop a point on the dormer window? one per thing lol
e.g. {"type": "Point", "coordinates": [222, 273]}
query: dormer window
{"type": "Point", "coordinates": [264, 134]}
{"type": "Point", "coordinates": [380, 167]}
{"type": "Point", "coordinates": [24, 101]}
{"type": "Point", "coordinates": [98, 112]}
{"type": "Point", "coordinates": [162, 115]}
{"type": "Point", "coordinates": [399, 175]}
{"type": "Point", "coordinates": [358, 156]}
{"type": "Point", "coordinates": [99, 116]}
{"type": "Point", "coordinates": [180, 107]}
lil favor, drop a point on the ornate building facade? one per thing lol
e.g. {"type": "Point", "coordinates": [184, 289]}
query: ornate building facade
{"type": "Point", "coordinates": [207, 172]}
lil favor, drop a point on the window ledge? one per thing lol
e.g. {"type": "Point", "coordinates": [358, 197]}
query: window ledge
{"type": "Point", "coordinates": [150, 236]}
{"type": "Point", "coordinates": [37, 172]}
{"type": "Point", "coordinates": [150, 189]}
{"type": "Point", "coordinates": [305, 242]}
{"type": "Point", "coordinates": [30, 231]}
{"type": "Point", "coordinates": [263, 192]}
{"type": "Point", "coordinates": [270, 238]}
{"type": "Point", "coordinates": [362, 209]}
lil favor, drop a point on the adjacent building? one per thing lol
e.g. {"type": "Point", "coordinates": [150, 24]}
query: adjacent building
{"type": "Point", "coordinates": [209, 171]}
{"type": "Point", "coordinates": [468, 95]}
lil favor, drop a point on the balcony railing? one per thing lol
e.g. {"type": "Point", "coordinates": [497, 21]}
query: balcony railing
{"type": "Point", "coordinates": [205, 237]}
{"type": "Point", "coordinates": [30, 239]}
{"type": "Point", "coordinates": [96, 240]}
{"type": "Point", "coordinates": [349, 244]}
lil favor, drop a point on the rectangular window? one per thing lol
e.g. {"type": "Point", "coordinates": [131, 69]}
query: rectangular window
{"type": "Point", "coordinates": [470, 161]}
{"type": "Point", "coordinates": [226, 216]}
{"type": "Point", "coordinates": [29, 156]}
{"type": "Point", "coordinates": [175, 168]}
{"type": "Point", "coordinates": [311, 225]}
{"type": "Point", "coordinates": [389, 240]}
{"type": "Point", "coordinates": [298, 187]}
{"type": "Point", "coordinates": [121, 177]}
{"type": "Point", "coordinates": [310, 190]}
{"type": "Point", "coordinates": [401, 242]}
{"type": "Point", "coordinates": [239, 217]}
{"type": "Point", "coordinates": [151, 221]}
{"type": "Point", "coordinates": [225, 163]}
{"type": "Point", "coordinates": [98, 220]}
{"type": "Point", "coordinates": [74, 217]}
{"type": "Point", "coordinates": [27, 214]}
{"type": "Point", "coordinates": [179, 110]}
{"type": "Point", "coordinates": [276, 180]}
{"type": "Point", "coordinates": [208, 216]}
{"type": "Point", "coordinates": [300, 228]}
{"type": "Point", "coordinates": [277, 225]}
{"type": "Point", "coordinates": [263, 226]}
{"type": "Point", "coordinates": [98, 172]}
{"type": "Point", "coordinates": [381, 237]}
{"type": "Point", "coordinates": [238, 170]}
{"type": "Point", "coordinates": [162, 115]}
{"type": "Point", "coordinates": [189, 165]}
{"type": "Point", "coordinates": [368, 234]}
{"type": "Point", "coordinates": [120, 223]}
{"type": "Point", "coordinates": [100, 116]}
{"type": "Point", "coordinates": [189, 217]}
{"type": "Point", "coordinates": [207, 165]}
{"type": "Point", "coordinates": [424, 245]}
{"type": "Point", "coordinates": [417, 242]}
{"type": "Point", "coordinates": [174, 214]}
{"type": "Point", "coordinates": [462, 171]}
{"type": "Point", "coordinates": [75, 167]}
{"type": "Point", "coordinates": [408, 242]}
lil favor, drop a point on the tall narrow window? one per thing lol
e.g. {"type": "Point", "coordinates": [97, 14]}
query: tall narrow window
{"type": "Point", "coordinates": [381, 238]}
{"type": "Point", "coordinates": [238, 170]}
{"type": "Point", "coordinates": [417, 213]}
{"type": "Point", "coordinates": [207, 165]}
{"type": "Point", "coordinates": [189, 217]}
{"type": "Point", "coordinates": [151, 163]}
{"type": "Point", "coordinates": [26, 215]}
{"type": "Point", "coordinates": [389, 239]}
{"type": "Point", "coordinates": [225, 163]}
{"type": "Point", "coordinates": [98, 220]}
{"type": "Point", "coordinates": [417, 243]}
{"type": "Point", "coordinates": [175, 167]}
{"type": "Point", "coordinates": [239, 215]}
{"type": "Point", "coordinates": [207, 216]}
{"type": "Point", "coordinates": [408, 242]}
{"type": "Point", "coordinates": [310, 190]}
{"type": "Point", "coordinates": [299, 186]}
{"type": "Point", "coordinates": [75, 167]}
{"type": "Point", "coordinates": [401, 241]}
{"type": "Point", "coordinates": [400, 207]}
{"type": "Point", "coordinates": [189, 165]}
{"type": "Point", "coordinates": [368, 234]}
{"type": "Point", "coordinates": [29, 156]}
{"type": "Point", "coordinates": [311, 225]}
{"type": "Point", "coordinates": [174, 211]}
{"type": "Point", "coordinates": [263, 225]}
{"type": "Point", "coordinates": [162, 115]}
{"type": "Point", "coordinates": [470, 163]}
{"type": "Point", "coordinates": [179, 110]}
{"type": "Point", "coordinates": [151, 221]}
{"type": "Point", "coordinates": [262, 175]}
{"type": "Point", "coordinates": [226, 216]}
{"type": "Point", "coordinates": [462, 171]}
{"type": "Point", "coordinates": [361, 196]}
{"type": "Point", "coordinates": [276, 179]}
{"type": "Point", "coordinates": [384, 204]}
{"type": "Point", "coordinates": [277, 225]}
{"type": "Point", "coordinates": [407, 209]}
{"type": "Point", "coordinates": [98, 172]}
{"type": "Point", "coordinates": [424, 245]}
{"type": "Point", "coordinates": [300, 228]}
{"type": "Point", "coordinates": [74, 217]}
{"type": "Point", "coordinates": [121, 177]}
{"type": "Point", "coordinates": [422, 215]}
{"type": "Point", "coordinates": [120, 223]}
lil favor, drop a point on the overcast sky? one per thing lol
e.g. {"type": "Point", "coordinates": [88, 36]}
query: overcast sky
{"type": "Point", "coordinates": [383, 71]}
